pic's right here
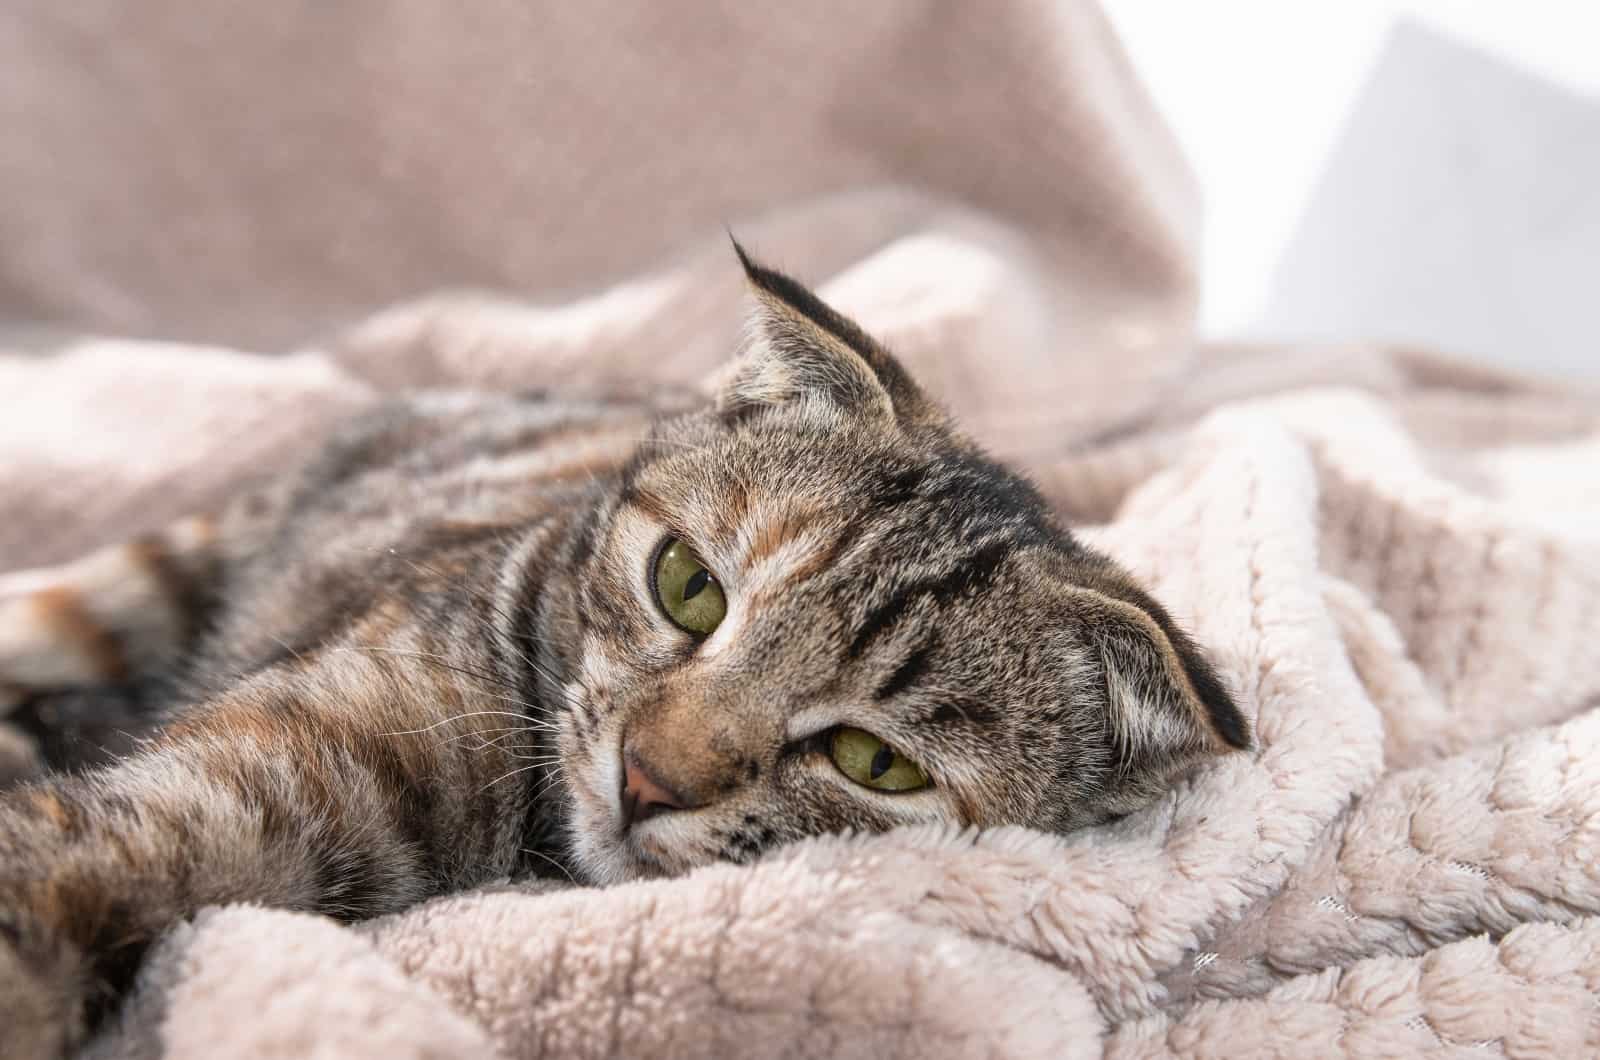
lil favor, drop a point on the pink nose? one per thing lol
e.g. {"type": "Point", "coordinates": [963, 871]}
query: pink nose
{"type": "Point", "coordinates": [642, 795]}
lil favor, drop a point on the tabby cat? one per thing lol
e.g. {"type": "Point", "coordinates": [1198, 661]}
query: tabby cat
{"type": "Point", "coordinates": [479, 636]}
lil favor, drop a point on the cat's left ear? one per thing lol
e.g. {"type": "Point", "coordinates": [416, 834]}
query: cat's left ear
{"type": "Point", "coordinates": [799, 347]}
{"type": "Point", "coordinates": [1167, 707]}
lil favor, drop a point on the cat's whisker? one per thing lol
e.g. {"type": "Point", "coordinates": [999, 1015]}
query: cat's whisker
{"type": "Point", "coordinates": [506, 776]}
{"type": "Point", "coordinates": [446, 721]}
{"type": "Point", "coordinates": [555, 777]}
{"type": "Point", "coordinates": [538, 760]}
{"type": "Point", "coordinates": [545, 751]}
{"type": "Point", "coordinates": [529, 724]}
{"type": "Point", "coordinates": [484, 743]}
{"type": "Point", "coordinates": [434, 657]}
{"type": "Point", "coordinates": [546, 857]}
{"type": "Point", "coordinates": [533, 719]}
{"type": "Point", "coordinates": [290, 648]}
{"type": "Point", "coordinates": [443, 662]}
{"type": "Point", "coordinates": [499, 742]}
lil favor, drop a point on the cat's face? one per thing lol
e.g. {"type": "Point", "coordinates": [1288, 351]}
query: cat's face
{"type": "Point", "coordinates": [815, 608]}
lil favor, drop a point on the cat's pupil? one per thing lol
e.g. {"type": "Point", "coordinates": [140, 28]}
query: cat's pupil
{"type": "Point", "coordinates": [697, 581]}
{"type": "Point", "coordinates": [881, 762]}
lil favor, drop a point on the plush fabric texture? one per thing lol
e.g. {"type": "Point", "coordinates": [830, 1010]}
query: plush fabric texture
{"type": "Point", "coordinates": [1393, 557]}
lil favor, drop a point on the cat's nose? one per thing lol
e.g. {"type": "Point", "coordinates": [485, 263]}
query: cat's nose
{"type": "Point", "coordinates": [643, 796]}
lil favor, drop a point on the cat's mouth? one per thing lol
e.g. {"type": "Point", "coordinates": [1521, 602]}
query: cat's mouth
{"type": "Point", "coordinates": [641, 852]}
{"type": "Point", "coordinates": [613, 846]}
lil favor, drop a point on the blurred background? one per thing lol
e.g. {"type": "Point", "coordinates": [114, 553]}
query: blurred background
{"type": "Point", "coordinates": [1422, 171]}
{"type": "Point", "coordinates": [1414, 172]}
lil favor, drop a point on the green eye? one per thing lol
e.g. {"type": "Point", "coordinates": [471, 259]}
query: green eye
{"type": "Point", "coordinates": [872, 763]}
{"type": "Point", "coordinates": [688, 592]}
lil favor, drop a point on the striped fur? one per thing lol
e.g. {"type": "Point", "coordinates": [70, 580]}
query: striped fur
{"type": "Point", "coordinates": [415, 665]}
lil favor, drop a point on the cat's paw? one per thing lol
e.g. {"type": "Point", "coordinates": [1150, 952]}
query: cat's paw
{"type": "Point", "coordinates": [41, 1000]}
{"type": "Point", "coordinates": [19, 755]}
{"type": "Point", "coordinates": [43, 629]}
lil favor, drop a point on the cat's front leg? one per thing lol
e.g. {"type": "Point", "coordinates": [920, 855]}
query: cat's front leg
{"type": "Point", "coordinates": [111, 616]}
{"type": "Point", "coordinates": [88, 648]}
{"type": "Point", "coordinates": [331, 791]}
{"type": "Point", "coordinates": [50, 989]}
{"type": "Point", "coordinates": [44, 990]}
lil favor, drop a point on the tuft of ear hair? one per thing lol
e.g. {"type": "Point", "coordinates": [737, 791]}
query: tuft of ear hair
{"type": "Point", "coordinates": [800, 347]}
{"type": "Point", "coordinates": [1167, 707]}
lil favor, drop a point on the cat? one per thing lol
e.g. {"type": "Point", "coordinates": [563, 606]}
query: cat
{"type": "Point", "coordinates": [487, 635]}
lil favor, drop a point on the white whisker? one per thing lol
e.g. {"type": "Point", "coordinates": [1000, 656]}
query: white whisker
{"type": "Point", "coordinates": [551, 860]}
{"type": "Point", "coordinates": [446, 721]}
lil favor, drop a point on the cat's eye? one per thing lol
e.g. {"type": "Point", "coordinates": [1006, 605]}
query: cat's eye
{"type": "Point", "coordinates": [687, 590]}
{"type": "Point", "coordinates": [872, 763]}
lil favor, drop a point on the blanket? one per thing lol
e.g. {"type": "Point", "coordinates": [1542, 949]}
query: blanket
{"type": "Point", "coordinates": [1393, 557]}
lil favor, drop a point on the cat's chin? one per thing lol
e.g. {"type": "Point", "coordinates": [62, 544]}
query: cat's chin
{"type": "Point", "coordinates": [606, 857]}
{"type": "Point", "coordinates": [605, 852]}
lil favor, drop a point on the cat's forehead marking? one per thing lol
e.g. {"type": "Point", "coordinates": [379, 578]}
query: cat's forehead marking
{"type": "Point", "coordinates": [779, 546]}
{"type": "Point", "coordinates": [773, 526]}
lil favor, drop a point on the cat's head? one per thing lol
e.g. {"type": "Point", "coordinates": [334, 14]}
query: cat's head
{"type": "Point", "coordinates": [814, 606]}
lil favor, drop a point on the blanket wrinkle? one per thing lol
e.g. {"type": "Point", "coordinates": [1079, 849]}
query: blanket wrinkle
{"type": "Point", "coordinates": [1392, 556]}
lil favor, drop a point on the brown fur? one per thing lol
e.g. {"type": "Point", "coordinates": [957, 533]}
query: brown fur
{"type": "Point", "coordinates": [60, 610]}
{"type": "Point", "coordinates": [422, 661]}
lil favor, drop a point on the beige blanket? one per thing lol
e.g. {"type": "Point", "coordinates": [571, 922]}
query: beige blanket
{"type": "Point", "coordinates": [1394, 558]}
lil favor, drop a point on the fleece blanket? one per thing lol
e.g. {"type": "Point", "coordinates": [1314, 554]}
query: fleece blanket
{"type": "Point", "coordinates": [1393, 557]}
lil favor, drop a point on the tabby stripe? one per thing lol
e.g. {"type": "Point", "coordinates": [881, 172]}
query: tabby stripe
{"type": "Point", "coordinates": [914, 666]}
{"type": "Point", "coordinates": [900, 487]}
{"type": "Point", "coordinates": [583, 542]}
{"type": "Point", "coordinates": [526, 618]}
{"type": "Point", "coordinates": [971, 711]}
{"type": "Point", "coordinates": [972, 574]}
{"type": "Point", "coordinates": [843, 542]}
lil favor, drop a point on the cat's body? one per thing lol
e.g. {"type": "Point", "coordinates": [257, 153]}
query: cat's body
{"type": "Point", "coordinates": [479, 636]}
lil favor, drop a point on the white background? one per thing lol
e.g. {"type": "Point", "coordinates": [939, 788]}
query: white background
{"type": "Point", "coordinates": [1257, 90]}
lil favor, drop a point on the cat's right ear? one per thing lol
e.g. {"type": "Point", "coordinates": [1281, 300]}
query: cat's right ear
{"type": "Point", "coordinates": [800, 348]}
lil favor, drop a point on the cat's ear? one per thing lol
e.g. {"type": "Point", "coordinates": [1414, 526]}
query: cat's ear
{"type": "Point", "coordinates": [799, 347]}
{"type": "Point", "coordinates": [1167, 706]}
